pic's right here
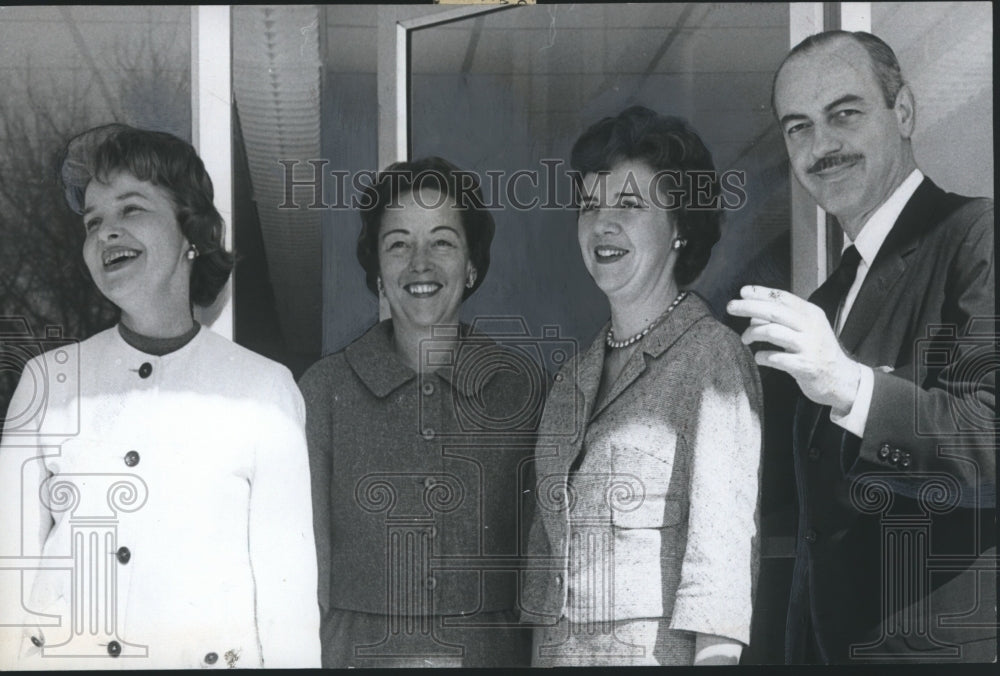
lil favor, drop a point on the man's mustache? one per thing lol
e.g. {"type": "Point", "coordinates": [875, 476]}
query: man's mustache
{"type": "Point", "coordinates": [832, 161]}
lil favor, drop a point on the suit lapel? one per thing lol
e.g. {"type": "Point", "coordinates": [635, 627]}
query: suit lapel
{"type": "Point", "coordinates": [689, 311]}
{"type": "Point", "coordinates": [589, 374]}
{"type": "Point", "coordinates": [583, 388]}
{"type": "Point", "coordinates": [635, 365]}
{"type": "Point", "coordinates": [883, 276]}
{"type": "Point", "coordinates": [928, 206]}
{"type": "Point", "coordinates": [588, 378]}
{"type": "Point", "coordinates": [920, 213]}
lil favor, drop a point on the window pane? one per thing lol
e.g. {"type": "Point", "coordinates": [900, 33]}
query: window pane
{"type": "Point", "coordinates": [513, 89]}
{"type": "Point", "coordinates": [952, 82]}
{"type": "Point", "coordinates": [62, 71]}
{"type": "Point", "coordinates": [350, 142]}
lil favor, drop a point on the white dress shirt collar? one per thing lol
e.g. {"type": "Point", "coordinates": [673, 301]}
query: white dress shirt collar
{"type": "Point", "coordinates": [877, 228]}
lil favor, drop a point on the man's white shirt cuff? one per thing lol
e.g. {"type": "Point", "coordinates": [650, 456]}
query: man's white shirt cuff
{"type": "Point", "coordinates": [856, 419]}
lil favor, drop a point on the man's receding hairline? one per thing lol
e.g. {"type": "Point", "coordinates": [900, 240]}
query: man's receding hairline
{"type": "Point", "coordinates": [830, 45]}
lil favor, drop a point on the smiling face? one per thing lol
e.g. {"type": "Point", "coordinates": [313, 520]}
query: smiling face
{"type": "Point", "coordinates": [845, 146]}
{"type": "Point", "coordinates": [134, 247]}
{"type": "Point", "coordinates": [424, 261]}
{"type": "Point", "coordinates": [625, 235]}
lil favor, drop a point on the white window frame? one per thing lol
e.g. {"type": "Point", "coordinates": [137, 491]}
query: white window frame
{"type": "Point", "coordinates": [394, 86]}
{"type": "Point", "coordinates": [810, 227]}
{"type": "Point", "coordinates": [211, 131]}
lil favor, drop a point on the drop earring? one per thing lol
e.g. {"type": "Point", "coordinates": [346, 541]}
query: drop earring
{"type": "Point", "coordinates": [471, 281]}
{"type": "Point", "coordinates": [679, 243]}
{"type": "Point", "coordinates": [192, 252]}
{"type": "Point", "coordinates": [378, 285]}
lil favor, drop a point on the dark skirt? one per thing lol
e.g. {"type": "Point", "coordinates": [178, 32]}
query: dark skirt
{"type": "Point", "coordinates": [354, 639]}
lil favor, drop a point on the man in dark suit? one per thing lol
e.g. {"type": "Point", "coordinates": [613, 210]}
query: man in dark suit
{"type": "Point", "coordinates": [894, 358]}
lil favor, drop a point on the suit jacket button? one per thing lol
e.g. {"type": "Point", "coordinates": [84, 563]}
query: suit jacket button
{"type": "Point", "coordinates": [427, 433]}
{"type": "Point", "coordinates": [884, 451]}
{"type": "Point", "coordinates": [427, 389]}
{"type": "Point", "coordinates": [114, 648]}
{"type": "Point", "coordinates": [37, 641]}
{"type": "Point", "coordinates": [429, 482]}
{"type": "Point", "coordinates": [211, 658]}
{"type": "Point", "coordinates": [559, 580]}
{"type": "Point", "coordinates": [123, 554]}
{"type": "Point", "coordinates": [431, 582]}
{"type": "Point", "coordinates": [132, 458]}
{"type": "Point", "coordinates": [145, 370]}
{"type": "Point", "coordinates": [810, 536]}
{"type": "Point", "coordinates": [814, 453]}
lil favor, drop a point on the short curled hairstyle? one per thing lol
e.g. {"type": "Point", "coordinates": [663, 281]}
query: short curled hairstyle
{"type": "Point", "coordinates": [400, 178]}
{"type": "Point", "coordinates": [665, 143]}
{"type": "Point", "coordinates": [169, 163]}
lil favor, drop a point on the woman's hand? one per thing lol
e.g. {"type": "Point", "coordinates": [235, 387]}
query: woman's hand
{"type": "Point", "coordinates": [710, 650]}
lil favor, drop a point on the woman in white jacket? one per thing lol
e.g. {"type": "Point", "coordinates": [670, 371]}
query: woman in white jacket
{"type": "Point", "coordinates": [154, 482]}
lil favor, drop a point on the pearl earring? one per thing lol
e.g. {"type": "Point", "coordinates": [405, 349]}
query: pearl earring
{"type": "Point", "coordinates": [192, 252]}
{"type": "Point", "coordinates": [679, 243]}
{"type": "Point", "coordinates": [471, 281]}
{"type": "Point", "coordinates": [378, 283]}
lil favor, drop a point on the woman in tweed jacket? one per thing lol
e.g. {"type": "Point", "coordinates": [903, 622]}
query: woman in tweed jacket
{"type": "Point", "coordinates": [645, 540]}
{"type": "Point", "coordinates": [418, 432]}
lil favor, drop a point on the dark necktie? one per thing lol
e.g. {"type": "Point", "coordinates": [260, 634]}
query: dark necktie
{"type": "Point", "coordinates": [832, 292]}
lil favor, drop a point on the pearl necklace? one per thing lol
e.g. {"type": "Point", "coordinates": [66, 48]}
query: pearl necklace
{"type": "Point", "coordinates": [615, 344]}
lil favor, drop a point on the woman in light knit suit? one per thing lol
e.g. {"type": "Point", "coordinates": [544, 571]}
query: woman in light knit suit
{"type": "Point", "coordinates": [645, 538]}
{"type": "Point", "coordinates": [163, 485]}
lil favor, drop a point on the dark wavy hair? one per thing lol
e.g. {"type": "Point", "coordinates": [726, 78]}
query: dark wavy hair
{"type": "Point", "coordinates": [170, 163]}
{"type": "Point", "coordinates": [400, 178]}
{"type": "Point", "coordinates": [665, 143]}
{"type": "Point", "coordinates": [882, 59]}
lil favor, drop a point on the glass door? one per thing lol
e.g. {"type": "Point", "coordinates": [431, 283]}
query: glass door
{"type": "Point", "coordinates": [505, 94]}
